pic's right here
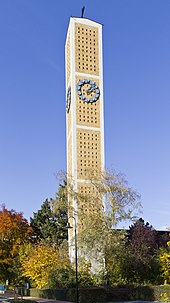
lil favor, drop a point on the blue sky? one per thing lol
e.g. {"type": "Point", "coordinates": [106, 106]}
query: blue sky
{"type": "Point", "coordinates": [136, 43]}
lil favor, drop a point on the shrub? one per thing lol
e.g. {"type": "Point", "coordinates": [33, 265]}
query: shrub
{"type": "Point", "coordinates": [146, 293]}
{"type": "Point", "coordinates": [60, 278]}
{"type": "Point", "coordinates": [86, 295]}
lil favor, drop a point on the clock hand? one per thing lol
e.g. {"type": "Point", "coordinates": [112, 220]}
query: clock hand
{"type": "Point", "coordinates": [90, 89]}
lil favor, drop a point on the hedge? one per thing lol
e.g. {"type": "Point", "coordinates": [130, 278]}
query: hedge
{"type": "Point", "coordinates": [86, 295]}
{"type": "Point", "coordinates": [144, 293]}
{"type": "Point", "coordinates": [102, 295]}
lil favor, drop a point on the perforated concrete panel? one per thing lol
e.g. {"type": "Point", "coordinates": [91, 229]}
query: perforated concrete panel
{"type": "Point", "coordinates": [86, 45]}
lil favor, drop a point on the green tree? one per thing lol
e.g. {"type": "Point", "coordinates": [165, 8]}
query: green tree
{"type": "Point", "coordinates": [137, 260]}
{"type": "Point", "coordinates": [95, 235]}
{"type": "Point", "coordinates": [47, 226]}
{"type": "Point", "coordinates": [121, 203]}
{"type": "Point", "coordinates": [60, 210]}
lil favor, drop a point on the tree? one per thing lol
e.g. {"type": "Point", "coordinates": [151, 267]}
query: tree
{"type": "Point", "coordinates": [41, 260]}
{"type": "Point", "coordinates": [60, 210]}
{"type": "Point", "coordinates": [47, 226]}
{"type": "Point", "coordinates": [14, 232]}
{"type": "Point", "coordinates": [140, 264]}
{"type": "Point", "coordinates": [95, 234]}
{"type": "Point", "coordinates": [121, 202]}
{"type": "Point", "coordinates": [164, 259]}
{"type": "Point", "coordinates": [135, 259]}
{"type": "Point", "coordinates": [142, 237]}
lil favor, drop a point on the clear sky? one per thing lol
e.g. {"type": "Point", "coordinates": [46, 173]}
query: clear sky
{"type": "Point", "coordinates": [136, 43]}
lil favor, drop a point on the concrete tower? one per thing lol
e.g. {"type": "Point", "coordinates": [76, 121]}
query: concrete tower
{"type": "Point", "coordinates": [84, 109]}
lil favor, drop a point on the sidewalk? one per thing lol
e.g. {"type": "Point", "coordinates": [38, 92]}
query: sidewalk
{"type": "Point", "coordinates": [41, 300]}
{"type": "Point", "coordinates": [6, 296]}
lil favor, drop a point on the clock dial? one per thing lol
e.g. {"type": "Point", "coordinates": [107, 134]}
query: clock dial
{"type": "Point", "coordinates": [88, 91]}
{"type": "Point", "coordinates": [68, 101]}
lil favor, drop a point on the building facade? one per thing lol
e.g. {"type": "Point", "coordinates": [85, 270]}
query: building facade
{"type": "Point", "coordinates": [84, 106]}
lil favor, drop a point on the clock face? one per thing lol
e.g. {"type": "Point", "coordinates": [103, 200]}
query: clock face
{"type": "Point", "coordinates": [88, 90]}
{"type": "Point", "coordinates": [68, 101]}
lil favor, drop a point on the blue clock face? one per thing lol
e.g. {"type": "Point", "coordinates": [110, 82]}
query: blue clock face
{"type": "Point", "coordinates": [88, 91]}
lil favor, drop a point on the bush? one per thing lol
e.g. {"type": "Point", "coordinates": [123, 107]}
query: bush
{"type": "Point", "coordinates": [146, 293]}
{"type": "Point", "coordinates": [60, 278]}
{"type": "Point", "coordinates": [101, 295]}
{"type": "Point", "coordinates": [86, 295]}
{"type": "Point", "coordinates": [92, 295]}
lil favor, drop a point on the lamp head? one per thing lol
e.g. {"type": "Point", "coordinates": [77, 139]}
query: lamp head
{"type": "Point", "coordinates": [68, 225]}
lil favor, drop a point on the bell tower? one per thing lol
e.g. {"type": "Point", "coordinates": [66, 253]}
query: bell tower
{"type": "Point", "coordinates": [84, 108]}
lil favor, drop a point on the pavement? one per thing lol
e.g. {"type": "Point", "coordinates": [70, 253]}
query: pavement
{"type": "Point", "coordinates": [4, 298]}
{"type": "Point", "coordinates": [41, 300]}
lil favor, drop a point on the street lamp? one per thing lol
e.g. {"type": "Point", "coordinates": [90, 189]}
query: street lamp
{"type": "Point", "coordinates": [75, 236]}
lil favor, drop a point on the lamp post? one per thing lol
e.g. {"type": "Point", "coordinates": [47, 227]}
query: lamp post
{"type": "Point", "coordinates": [75, 236]}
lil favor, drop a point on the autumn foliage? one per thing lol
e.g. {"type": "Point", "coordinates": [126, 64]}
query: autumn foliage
{"type": "Point", "coordinates": [14, 231]}
{"type": "Point", "coordinates": [41, 260]}
{"type": "Point", "coordinates": [164, 259]}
